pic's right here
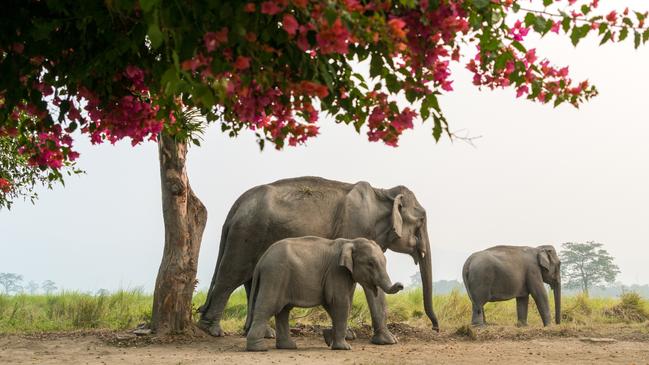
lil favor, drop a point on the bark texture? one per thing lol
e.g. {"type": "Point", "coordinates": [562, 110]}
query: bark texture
{"type": "Point", "coordinates": [184, 222]}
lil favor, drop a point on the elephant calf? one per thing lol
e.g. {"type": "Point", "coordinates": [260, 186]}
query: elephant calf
{"type": "Point", "coordinates": [505, 272]}
{"type": "Point", "coordinates": [310, 271]}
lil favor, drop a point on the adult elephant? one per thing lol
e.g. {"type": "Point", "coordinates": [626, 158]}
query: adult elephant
{"type": "Point", "coordinates": [313, 206]}
{"type": "Point", "coordinates": [505, 272]}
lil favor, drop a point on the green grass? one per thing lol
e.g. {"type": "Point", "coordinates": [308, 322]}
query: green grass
{"type": "Point", "coordinates": [125, 309]}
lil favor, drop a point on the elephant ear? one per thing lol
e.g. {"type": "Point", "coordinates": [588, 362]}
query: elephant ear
{"type": "Point", "coordinates": [397, 221]}
{"type": "Point", "coordinates": [544, 259]}
{"type": "Point", "coordinates": [346, 256]}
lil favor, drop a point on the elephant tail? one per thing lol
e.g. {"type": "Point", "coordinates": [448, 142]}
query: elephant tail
{"type": "Point", "coordinates": [465, 277]}
{"type": "Point", "coordinates": [253, 299]}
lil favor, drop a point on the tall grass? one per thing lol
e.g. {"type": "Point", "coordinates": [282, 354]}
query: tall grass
{"type": "Point", "coordinates": [125, 309]}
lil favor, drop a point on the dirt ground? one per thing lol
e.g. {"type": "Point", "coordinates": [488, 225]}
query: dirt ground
{"type": "Point", "coordinates": [415, 347]}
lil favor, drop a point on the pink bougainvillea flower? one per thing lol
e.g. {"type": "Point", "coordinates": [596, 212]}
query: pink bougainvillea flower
{"type": "Point", "coordinates": [289, 24]}
{"type": "Point", "coordinates": [521, 90]}
{"type": "Point", "coordinates": [242, 63]}
{"type": "Point", "coordinates": [249, 8]}
{"type": "Point", "coordinates": [271, 7]}
{"type": "Point", "coordinates": [555, 27]}
{"type": "Point", "coordinates": [396, 26]}
{"type": "Point", "coordinates": [5, 185]}
{"type": "Point", "coordinates": [213, 40]}
{"type": "Point", "coordinates": [612, 17]}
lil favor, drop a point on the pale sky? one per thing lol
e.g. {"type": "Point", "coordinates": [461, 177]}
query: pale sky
{"type": "Point", "coordinates": [537, 175]}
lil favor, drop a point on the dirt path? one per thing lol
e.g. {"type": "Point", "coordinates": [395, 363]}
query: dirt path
{"type": "Point", "coordinates": [94, 349]}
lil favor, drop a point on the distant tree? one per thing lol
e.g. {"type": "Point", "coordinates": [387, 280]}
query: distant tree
{"type": "Point", "coordinates": [584, 265]}
{"type": "Point", "coordinates": [48, 287]}
{"type": "Point", "coordinates": [32, 287]}
{"type": "Point", "coordinates": [415, 280]}
{"type": "Point", "coordinates": [11, 282]}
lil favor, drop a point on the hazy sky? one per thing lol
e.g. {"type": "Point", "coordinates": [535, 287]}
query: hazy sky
{"type": "Point", "coordinates": [537, 175]}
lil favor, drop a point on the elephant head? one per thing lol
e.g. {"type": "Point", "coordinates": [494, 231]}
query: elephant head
{"type": "Point", "coordinates": [409, 234]}
{"type": "Point", "coordinates": [365, 261]}
{"type": "Point", "coordinates": [551, 271]}
{"type": "Point", "coordinates": [396, 221]}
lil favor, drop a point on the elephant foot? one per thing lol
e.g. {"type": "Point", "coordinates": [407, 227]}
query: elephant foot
{"type": "Point", "coordinates": [256, 345]}
{"type": "Point", "coordinates": [350, 335]}
{"type": "Point", "coordinates": [287, 344]}
{"type": "Point", "coordinates": [343, 345]}
{"type": "Point", "coordinates": [270, 332]}
{"type": "Point", "coordinates": [327, 334]}
{"type": "Point", "coordinates": [521, 324]}
{"type": "Point", "coordinates": [384, 337]}
{"type": "Point", "coordinates": [212, 328]}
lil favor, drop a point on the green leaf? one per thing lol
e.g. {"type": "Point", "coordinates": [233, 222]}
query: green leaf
{"type": "Point", "coordinates": [147, 5]}
{"type": "Point", "coordinates": [547, 2]}
{"type": "Point", "coordinates": [479, 4]}
{"type": "Point", "coordinates": [578, 33]}
{"type": "Point", "coordinates": [637, 38]}
{"type": "Point", "coordinates": [437, 128]}
{"type": "Point", "coordinates": [376, 64]}
{"type": "Point", "coordinates": [392, 83]}
{"type": "Point", "coordinates": [540, 25]}
{"type": "Point", "coordinates": [565, 23]}
{"type": "Point", "coordinates": [606, 38]}
{"type": "Point", "coordinates": [519, 46]}
{"type": "Point", "coordinates": [627, 21]}
{"type": "Point", "coordinates": [645, 36]}
{"type": "Point", "coordinates": [155, 35]}
{"type": "Point", "coordinates": [331, 15]}
{"type": "Point", "coordinates": [530, 19]}
{"type": "Point", "coordinates": [602, 28]}
{"type": "Point", "coordinates": [585, 9]}
{"type": "Point", "coordinates": [623, 34]}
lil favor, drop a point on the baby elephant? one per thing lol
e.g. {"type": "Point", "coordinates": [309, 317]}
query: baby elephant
{"type": "Point", "coordinates": [310, 271]}
{"type": "Point", "coordinates": [505, 272]}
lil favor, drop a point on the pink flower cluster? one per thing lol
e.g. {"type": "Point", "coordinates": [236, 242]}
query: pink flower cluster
{"type": "Point", "coordinates": [386, 125]}
{"type": "Point", "coordinates": [50, 148]}
{"type": "Point", "coordinates": [266, 109]}
{"type": "Point", "coordinates": [5, 185]}
{"type": "Point", "coordinates": [551, 81]}
{"type": "Point", "coordinates": [131, 115]}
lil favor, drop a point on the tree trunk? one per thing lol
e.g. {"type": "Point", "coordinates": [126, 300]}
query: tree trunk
{"type": "Point", "coordinates": [184, 221]}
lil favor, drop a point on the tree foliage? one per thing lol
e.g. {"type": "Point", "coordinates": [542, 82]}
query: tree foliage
{"type": "Point", "coordinates": [585, 265]}
{"type": "Point", "coordinates": [49, 286]}
{"type": "Point", "coordinates": [120, 69]}
{"type": "Point", "coordinates": [10, 282]}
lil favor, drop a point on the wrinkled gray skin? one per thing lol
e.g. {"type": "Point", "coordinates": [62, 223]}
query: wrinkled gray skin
{"type": "Point", "coordinates": [310, 271]}
{"type": "Point", "coordinates": [505, 272]}
{"type": "Point", "coordinates": [312, 206]}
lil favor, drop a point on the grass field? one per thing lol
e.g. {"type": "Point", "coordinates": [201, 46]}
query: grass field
{"type": "Point", "coordinates": [126, 309]}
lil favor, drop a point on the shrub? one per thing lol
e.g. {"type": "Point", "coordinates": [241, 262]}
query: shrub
{"type": "Point", "coordinates": [630, 309]}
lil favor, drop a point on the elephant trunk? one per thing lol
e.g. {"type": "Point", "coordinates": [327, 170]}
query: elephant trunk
{"type": "Point", "coordinates": [557, 301]}
{"type": "Point", "coordinates": [425, 268]}
{"type": "Point", "coordinates": [392, 289]}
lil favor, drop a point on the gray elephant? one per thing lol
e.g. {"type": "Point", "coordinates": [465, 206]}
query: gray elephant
{"type": "Point", "coordinates": [310, 271]}
{"type": "Point", "coordinates": [505, 272]}
{"type": "Point", "coordinates": [312, 206]}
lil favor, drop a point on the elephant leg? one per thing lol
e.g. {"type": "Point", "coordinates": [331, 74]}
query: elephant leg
{"type": "Point", "coordinates": [477, 315]}
{"type": "Point", "coordinates": [255, 338]}
{"type": "Point", "coordinates": [339, 315]}
{"type": "Point", "coordinates": [521, 310]}
{"type": "Point", "coordinates": [270, 332]}
{"type": "Point", "coordinates": [541, 299]}
{"type": "Point", "coordinates": [228, 278]}
{"type": "Point", "coordinates": [382, 336]}
{"type": "Point", "coordinates": [284, 340]}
